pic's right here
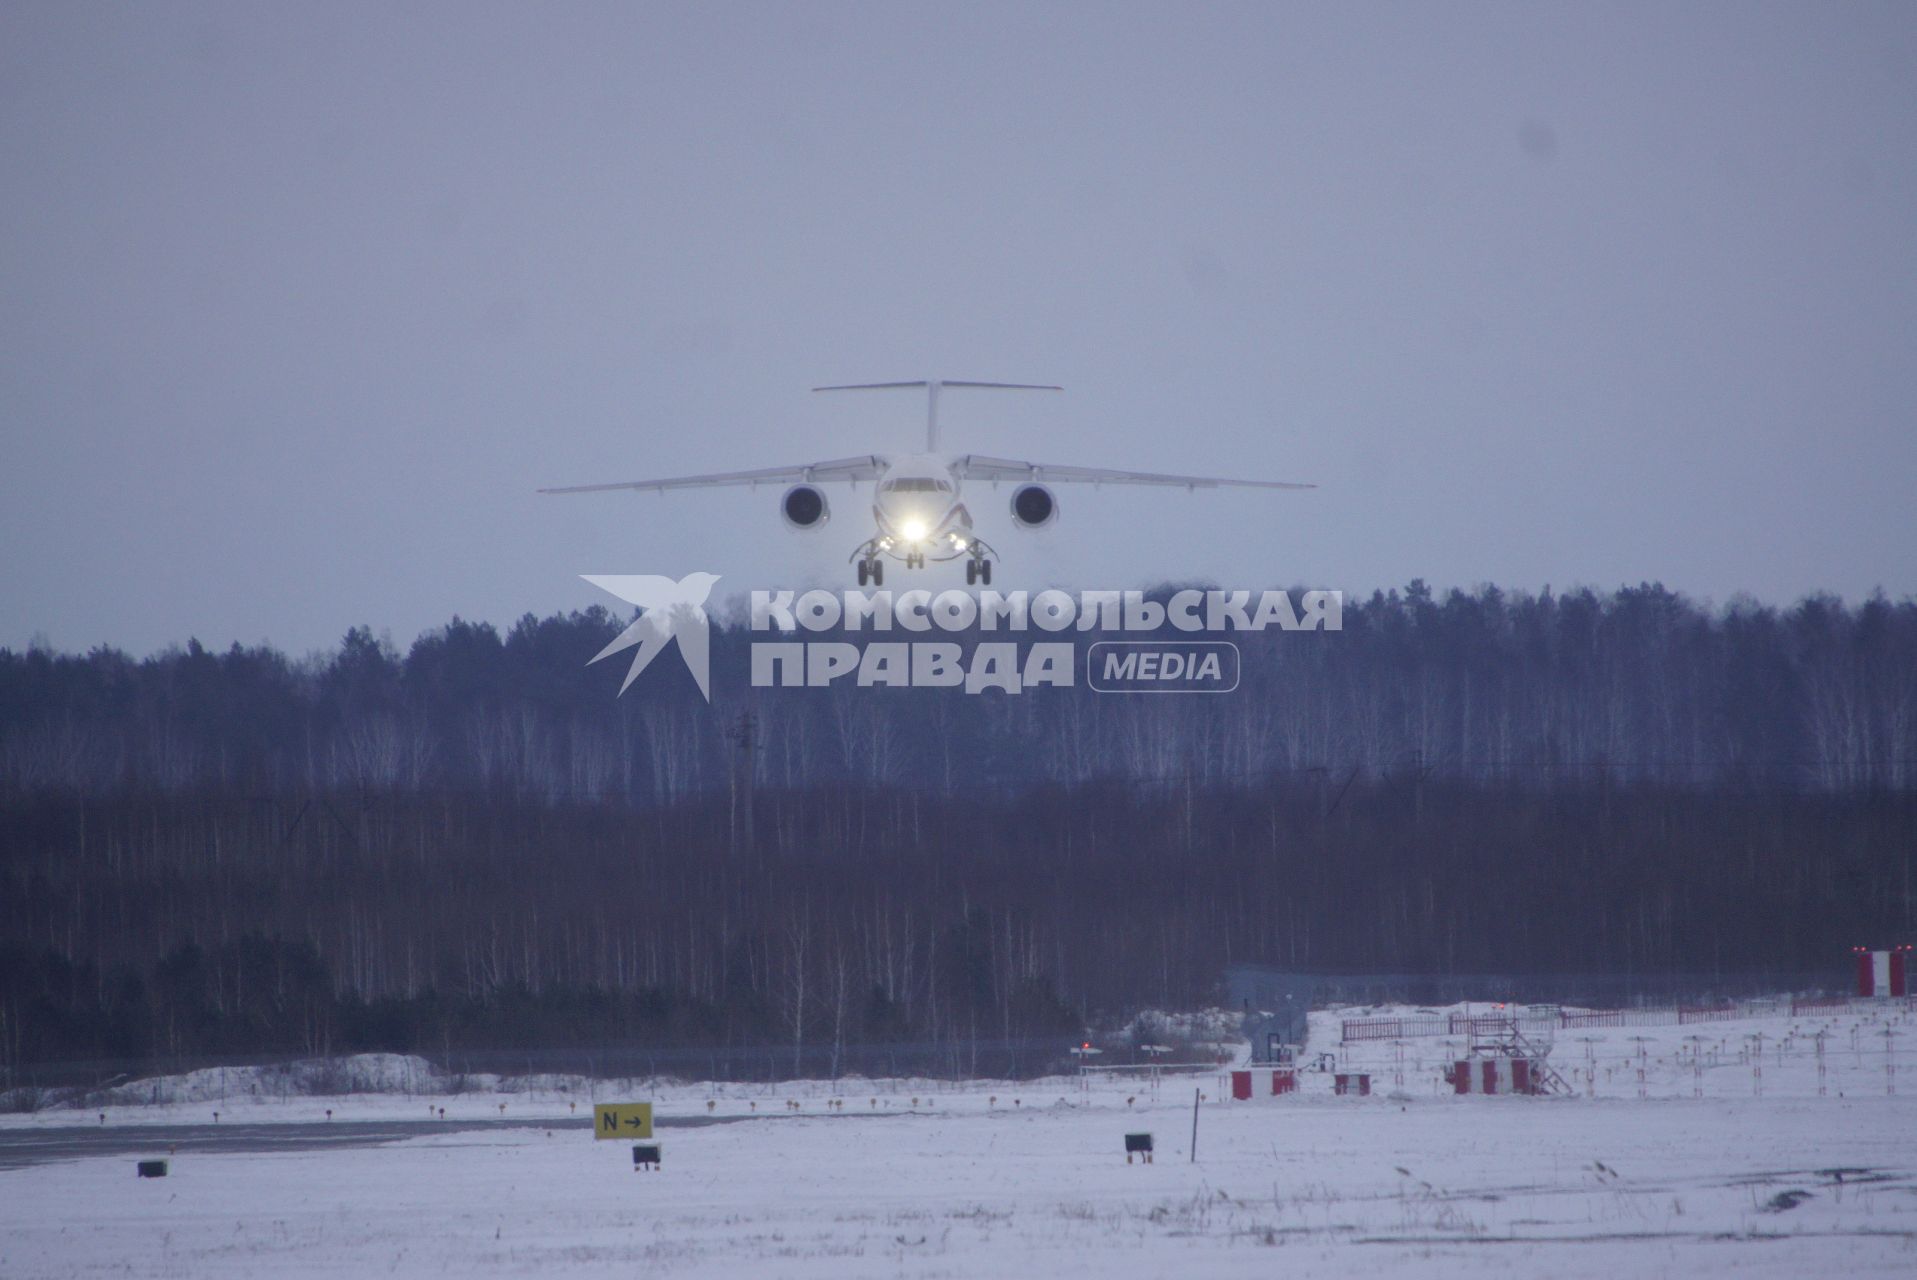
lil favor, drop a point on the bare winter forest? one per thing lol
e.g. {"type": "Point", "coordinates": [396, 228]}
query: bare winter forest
{"type": "Point", "coordinates": [475, 846]}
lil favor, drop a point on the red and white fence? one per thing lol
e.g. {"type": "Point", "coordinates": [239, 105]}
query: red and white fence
{"type": "Point", "coordinates": [1542, 1020]}
{"type": "Point", "coordinates": [1395, 1028]}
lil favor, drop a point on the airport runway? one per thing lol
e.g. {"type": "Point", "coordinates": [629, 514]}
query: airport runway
{"type": "Point", "coordinates": [20, 1148]}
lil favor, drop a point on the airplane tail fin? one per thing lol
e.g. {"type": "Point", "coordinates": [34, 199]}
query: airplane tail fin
{"type": "Point", "coordinates": [932, 388]}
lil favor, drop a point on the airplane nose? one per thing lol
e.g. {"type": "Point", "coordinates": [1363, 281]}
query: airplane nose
{"type": "Point", "coordinates": [914, 520]}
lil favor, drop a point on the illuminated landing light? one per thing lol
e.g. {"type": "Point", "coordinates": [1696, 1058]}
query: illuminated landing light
{"type": "Point", "coordinates": [914, 530]}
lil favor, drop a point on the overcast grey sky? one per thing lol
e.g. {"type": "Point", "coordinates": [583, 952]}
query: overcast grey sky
{"type": "Point", "coordinates": [302, 302]}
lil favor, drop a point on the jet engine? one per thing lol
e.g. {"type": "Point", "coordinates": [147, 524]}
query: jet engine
{"type": "Point", "coordinates": [1033, 506]}
{"type": "Point", "coordinates": [804, 507]}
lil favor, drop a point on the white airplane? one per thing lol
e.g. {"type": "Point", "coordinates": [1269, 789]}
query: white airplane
{"type": "Point", "coordinates": [916, 505]}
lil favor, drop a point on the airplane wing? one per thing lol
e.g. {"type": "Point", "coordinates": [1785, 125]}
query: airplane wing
{"type": "Point", "coordinates": [866, 468]}
{"type": "Point", "coordinates": [977, 467]}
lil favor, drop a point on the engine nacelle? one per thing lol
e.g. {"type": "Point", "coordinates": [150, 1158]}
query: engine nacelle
{"type": "Point", "coordinates": [804, 507]}
{"type": "Point", "coordinates": [1033, 506]}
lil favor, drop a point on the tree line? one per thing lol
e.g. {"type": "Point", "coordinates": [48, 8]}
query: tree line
{"type": "Point", "coordinates": [476, 847]}
{"type": "Point", "coordinates": [165, 927]}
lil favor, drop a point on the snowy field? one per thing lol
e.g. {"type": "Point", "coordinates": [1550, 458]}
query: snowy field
{"type": "Point", "coordinates": [1030, 1179]}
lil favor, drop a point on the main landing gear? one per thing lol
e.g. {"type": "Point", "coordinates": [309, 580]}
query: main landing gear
{"type": "Point", "coordinates": [870, 559]}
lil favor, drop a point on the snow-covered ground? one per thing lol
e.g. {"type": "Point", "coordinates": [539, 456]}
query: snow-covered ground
{"type": "Point", "coordinates": [1031, 1180]}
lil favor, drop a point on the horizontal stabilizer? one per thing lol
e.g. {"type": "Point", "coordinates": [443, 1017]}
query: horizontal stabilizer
{"type": "Point", "coordinates": [932, 388]}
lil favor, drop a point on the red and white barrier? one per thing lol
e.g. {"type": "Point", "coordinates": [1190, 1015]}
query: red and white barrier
{"type": "Point", "coordinates": [1882, 973]}
{"type": "Point", "coordinates": [1495, 1075]}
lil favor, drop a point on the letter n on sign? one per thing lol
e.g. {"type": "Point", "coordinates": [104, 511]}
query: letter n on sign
{"type": "Point", "coordinates": [627, 1120]}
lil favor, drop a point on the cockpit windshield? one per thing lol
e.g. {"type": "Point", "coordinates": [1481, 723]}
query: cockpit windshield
{"type": "Point", "coordinates": [917, 484]}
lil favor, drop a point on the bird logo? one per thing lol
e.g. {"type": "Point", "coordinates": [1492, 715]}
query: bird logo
{"type": "Point", "coordinates": [671, 611]}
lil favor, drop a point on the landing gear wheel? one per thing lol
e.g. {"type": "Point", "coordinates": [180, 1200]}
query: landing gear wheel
{"type": "Point", "coordinates": [971, 572]}
{"type": "Point", "coordinates": [985, 572]}
{"type": "Point", "coordinates": [878, 573]}
{"type": "Point", "coordinates": [865, 571]}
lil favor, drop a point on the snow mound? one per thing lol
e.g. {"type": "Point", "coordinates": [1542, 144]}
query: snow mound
{"type": "Point", "coordinates": [315, 1077]}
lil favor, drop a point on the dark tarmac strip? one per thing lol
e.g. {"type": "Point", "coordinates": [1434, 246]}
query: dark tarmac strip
{"type": "Point", "coordinates": [21, 1148]}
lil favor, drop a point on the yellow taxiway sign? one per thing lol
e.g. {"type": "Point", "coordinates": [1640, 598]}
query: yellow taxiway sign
{"type": "Point", "coordinates": [622, 1120]}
